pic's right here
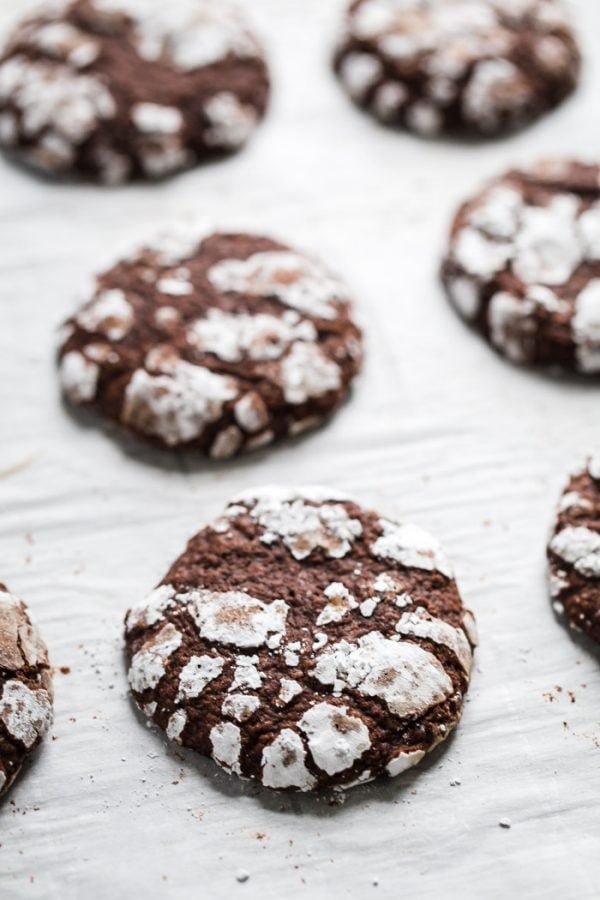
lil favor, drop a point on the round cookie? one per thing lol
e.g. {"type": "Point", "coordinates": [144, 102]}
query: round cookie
{"type": "Point", "coordinates": [472, 66]}
{"type": "Point", "coordinates": [25, 688]}
{"type": "Point", "coordinates": [574, 552]}
{"type": "Point", "coordinates": [523, 265]}
{"type": "Point", "coordinates": [111, 90]}
{"type": "Point", "coordinates": [220, 344]}
{"type": "Point", "coordinates": [304, 642]}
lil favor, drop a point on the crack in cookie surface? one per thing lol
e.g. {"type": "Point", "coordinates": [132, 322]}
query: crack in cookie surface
{"type": "Point", "coordinates": [285, 646]}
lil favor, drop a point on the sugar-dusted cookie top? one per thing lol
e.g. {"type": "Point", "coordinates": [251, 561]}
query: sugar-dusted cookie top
{"type": "Point", "coordinates": [305, 642]}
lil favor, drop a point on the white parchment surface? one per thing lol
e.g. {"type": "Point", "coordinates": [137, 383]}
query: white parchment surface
{"type": "Point", "coordinates": [438, 431]}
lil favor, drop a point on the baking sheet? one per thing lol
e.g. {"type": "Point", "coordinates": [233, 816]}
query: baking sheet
{"type": "Point", "coordinates": [438, 431]}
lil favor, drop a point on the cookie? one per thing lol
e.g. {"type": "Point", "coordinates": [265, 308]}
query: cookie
{"type": "Point", "coordinates": [574, 552]}
{"type": "Point", "coordinates": [523, 266]}
{"type": "Point", "coordinates": [111, 90]}
{"type": "Point", "coordinates": [221, 344]}
{"type": "Point", "coordinates": [304, 642]}
{"type": "Point", "coordinates": [25, 688]}
{"type": "Point", "coordinates": [458, 66]}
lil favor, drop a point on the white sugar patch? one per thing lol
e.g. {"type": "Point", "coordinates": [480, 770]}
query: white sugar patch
{"type": "Point", "coordinates": [175, 726]}
{"type": "Point", "coordinates": [261, 337]}
{"type": "Point", "coordinates": [109, 314]}
{"type": "Point", "coordinates": [412, 547]}
{"type": "Point", "coordinates": [512, 326]}
{"type": "Point", "coordinates": [408, 678]}
{"type": "Point", "coordinates": [51, 96]}
{"type": "Point", "coordinates": [190, 33]}
{"type": "Point", "coordinates": [149, 664]}
{"type": "Point", "coordinates": [359, 72]}
{"type": "Point", "coordinates": [79, 377]}
{"type": "Point", "coordinates": [176, 406]}
{"type": "Point", "coordinates": [235, 618]}
{"type": "Point", "coordinates": [586, 327]}
{"type": "Point", "coordinates": [418, 623]}
{"type": "Point", "coordinates": [579, 546]}
{"type": "Point", "coordinates": [341, 601]}
{"type": "Point", "coordinates": [479, 255]}
{"type": "Point", "coordinates": [306, 372]}
{"type": "Point", "coordinates": [240, 706]}
{"type": "Point", "coordinates": [153, 608]}
{"type": "Point", "coordinates": [589, 230]}
{"type": "Point", "coordinates": [231, 121]}
{"type": "Point", "coordinates": [335, 738]}
{"type": "Point", "coordinates": [284, 763]}
{"type": "Point", "coordinates": [547, 246]}
{"type": "Point", "coordinates": [296, 281]}
{"type": "Point", "coordinates": [289, 688]}
{"type": "Point", "coordinates": [403, 762]}
{"type": "Point", "coordinates": [26, 713]}
{"type": "Point", "coordinates": [304, 528]}
{"type": "Point", "coordinates": [226, 740]}
{"type": "Point", "coordinates": [197, 674]}
{"type": "Point", "coordinates": [151, 118]}
{"type": "Point", "coordinates": [247, 675]}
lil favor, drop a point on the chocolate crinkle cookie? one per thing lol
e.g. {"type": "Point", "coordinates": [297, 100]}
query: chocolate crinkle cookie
{"type": "Point", "coordinates": [478, 66]}
{"type": "Point", "coordinates": [523, 265]}
{"type": "Point", "coordinates": [25, 688]}
{"type": "Point", "coordinates": [220, 344]}
{"type": "Point", "coordinates": [305, 642]}
{"type": "Point", "coordinates": [574, 552]}
{"type": "Point", "coordinates": [111, 90]}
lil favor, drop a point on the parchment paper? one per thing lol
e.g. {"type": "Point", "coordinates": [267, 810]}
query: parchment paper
{"type": "Point", "coordinates": [439, 431]}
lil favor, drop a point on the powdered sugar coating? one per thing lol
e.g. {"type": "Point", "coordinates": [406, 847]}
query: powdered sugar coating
{"type": "Point", "coordinates": [407, 678]}
{"type": "Point", "coordinates": [197, 674]}
{"type": "Point", "coordinates": [197, 341]}
{"type": "Point", "coordinates": [192, 34]}
{"type": "Point", "coordinates": [73, 76]}
{"type": "Point", "coordinates": [434, 65]}
{"type": "Point", "coordinates": [283, 763]}
{"type": "Point", "coordinates": [176, 406]}
{"type": "Point", "coordinates": [235, 618]}
{"type": "Point", "coordinates": [411, 546]}
{"type": "Point", "coordinates": [298, 282]}
{"type": "Point", "coordinates": [523, 265]}
{"type": "Point", "coordinates": [26, 713]}
{"type": "Point", "coordinates": [307, 657]}
{"type": "Point", "coordinates": [304, 527]}
{"type": "Point", "coordinates": [149, 665]}
{"type": "Point", "coordinates": [25, 687]}
{"type": "Point", "coordinates": [109, 314]}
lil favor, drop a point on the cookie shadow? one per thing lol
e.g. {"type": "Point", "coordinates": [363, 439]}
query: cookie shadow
{"type": "Point", "coordinates": [323, 804]}
{"type": "Point", "coordinates": [8, 800]}
{"type": "Point", "coordinates": [180, 461]}
{"type": "Point", "coordinates": [19, 164]}
{"type": "Point", "coordinates": [579, 639]}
